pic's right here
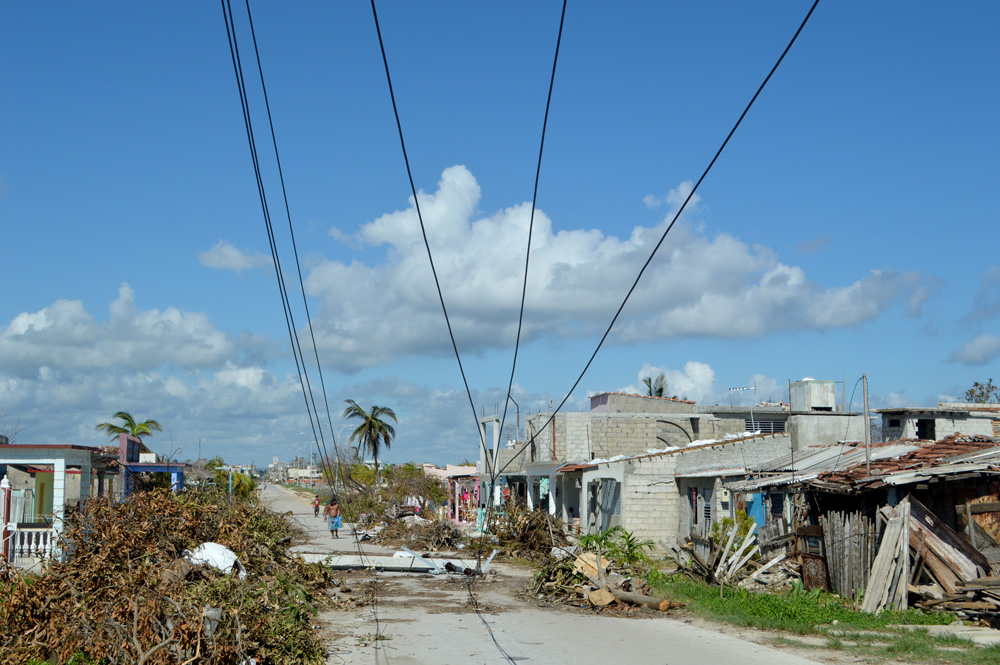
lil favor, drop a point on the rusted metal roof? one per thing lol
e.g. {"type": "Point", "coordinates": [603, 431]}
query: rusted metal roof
{"type": "Point", "coordinates": [576, 467]}
{"type": "Point", "coordinates": [937, 458]}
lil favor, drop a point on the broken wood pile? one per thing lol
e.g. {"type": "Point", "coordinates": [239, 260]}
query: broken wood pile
{"type": "Point", "coordinates": [725, 564]}
{"type": "Point", "coordinates": [947, 572]}
{"type": "Point", "coordinates": [584, 579]}
{"type": "Point", "coordinates": [950, 574]}
{"type": "Point", "coordinates": [777, 575]}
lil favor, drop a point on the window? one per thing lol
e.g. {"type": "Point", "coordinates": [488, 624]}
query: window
{"type": "Point", "coordinates": [893, 422]}
{"type": "Point", "coordinates": [925, 429]}
{"type": "Point", "coordinates": [764, 426]}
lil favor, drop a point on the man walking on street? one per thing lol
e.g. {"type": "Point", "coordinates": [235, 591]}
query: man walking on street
{"type": "Point", "coordinates": [334, 522]}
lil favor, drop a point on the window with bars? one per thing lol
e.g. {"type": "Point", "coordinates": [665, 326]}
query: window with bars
{"type": "Point", "coordinates": [764, 426]}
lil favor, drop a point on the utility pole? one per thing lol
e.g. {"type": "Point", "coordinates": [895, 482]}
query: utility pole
{"type": "Point", "coordinates": [868, 443]}
{"type": "Point", "coordinates": [199, 448]}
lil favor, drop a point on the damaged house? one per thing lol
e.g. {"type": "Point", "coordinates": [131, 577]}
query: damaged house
{"type": "Point", "coordinates": [943, 494]}
{"type": "Point", "coordinates": [655, 466]}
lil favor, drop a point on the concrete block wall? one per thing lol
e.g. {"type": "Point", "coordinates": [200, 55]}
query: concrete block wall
{"type": "Point", "coordinates": [734, 455]}
{"type": "Point", "coordinates": [633, 434]}
{"type": "Point", "coordinates": [651, 504]}
{"type": "Point", "coordinates": [622, 403]}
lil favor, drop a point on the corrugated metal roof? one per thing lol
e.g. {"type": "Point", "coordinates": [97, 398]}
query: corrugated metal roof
{"type": "Point", "coordinates": [812, 463]}
{"type": "Point", "coordinates": [925, 456]}
{"type": "Point", "coordinates": [712, 473]}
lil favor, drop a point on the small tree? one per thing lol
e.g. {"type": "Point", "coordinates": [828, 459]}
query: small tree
{"type": "Point", "coordinates": [983, 393]}
{"type": "Point", "coordinates": [655, 387]}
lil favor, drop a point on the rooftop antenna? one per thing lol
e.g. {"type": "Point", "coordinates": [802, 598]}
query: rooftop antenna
{"type": "Point", "coordinates": [753, 421]}
{"type": "Point", "coordinates": [868, 443]}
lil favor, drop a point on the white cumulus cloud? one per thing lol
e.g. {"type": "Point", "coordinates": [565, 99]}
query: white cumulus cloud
{"type": "Point", "coordinates": [698, 285]}
{"type": "Point", "coordinates": [978, 351]}
{"type": "Point", "coordinates": [224, 256]}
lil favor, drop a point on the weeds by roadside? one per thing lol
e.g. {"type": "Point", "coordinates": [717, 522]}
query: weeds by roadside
{"type": "Point", "coordinates": [814, 613]}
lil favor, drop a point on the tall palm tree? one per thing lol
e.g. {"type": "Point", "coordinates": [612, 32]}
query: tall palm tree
{"type": "Point", "coordinates": [130, 426]}
{"type": "Point", "coordinates": [373, 431]}
{"type": "Point", "coordinates": [655, 387]}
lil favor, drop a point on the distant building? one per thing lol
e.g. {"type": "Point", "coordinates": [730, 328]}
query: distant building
{"type": "Point", "coordinates": [936, 422]}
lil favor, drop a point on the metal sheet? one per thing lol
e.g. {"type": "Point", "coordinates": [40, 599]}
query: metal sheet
{"type": "Point", "coordinates": [814, 574]}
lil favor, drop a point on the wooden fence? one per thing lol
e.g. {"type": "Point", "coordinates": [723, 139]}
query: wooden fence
{"type": "Point", "coordinates": [851, 543]}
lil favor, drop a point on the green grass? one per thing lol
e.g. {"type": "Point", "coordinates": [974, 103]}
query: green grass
{"type": "Point", "coordinates": [802, 612]}
{"type": "Point", "coordinates": [873, 638]}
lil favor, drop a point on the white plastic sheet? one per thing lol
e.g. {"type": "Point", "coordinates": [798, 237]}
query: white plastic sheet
{"type": "Point", "coordinates": [217, 556]}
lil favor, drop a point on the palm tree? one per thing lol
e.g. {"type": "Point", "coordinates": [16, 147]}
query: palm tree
{"type": "Point", "coordinates": [657, 387]}
{"type": "Point", "coordinates": [130, 427]}
{"type": "Point", "coordinates": [373, 431]}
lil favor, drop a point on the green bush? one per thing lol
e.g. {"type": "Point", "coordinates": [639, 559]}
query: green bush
{"type": "Point", "coordinates": [618, 545]}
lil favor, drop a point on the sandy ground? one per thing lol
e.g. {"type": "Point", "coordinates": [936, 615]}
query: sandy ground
{"type": "Point", "coordinates": [428, 619]}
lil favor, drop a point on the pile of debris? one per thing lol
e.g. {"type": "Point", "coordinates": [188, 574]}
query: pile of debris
{"type": "Point", "coordinates": [587, 579]}
{"type": "Point", "coordinates": [420, 534]}
{"type": "Point", "coordinates": [921, 556]}
{"type": "Point", "coordinates": [148, 580]}
{"type": "Point", "coordinates": [527, 534]}
{"type": "Point", "coordinates": [778, 578]}
{"type": "Point", "coordinates": [726, 562]}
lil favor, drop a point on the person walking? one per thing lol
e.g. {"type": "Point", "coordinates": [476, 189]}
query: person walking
{"type": "Point", "coordinates": [316, 507]}
{"type": "Point", "coordinates": [334, 521]}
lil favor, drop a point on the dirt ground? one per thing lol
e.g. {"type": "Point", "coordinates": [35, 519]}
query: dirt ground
{"type": "Point", "coordinates": [409, 618]}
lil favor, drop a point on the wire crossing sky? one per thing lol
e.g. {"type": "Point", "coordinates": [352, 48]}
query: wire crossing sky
{"type": "Point", "coordinates": [845, 229]}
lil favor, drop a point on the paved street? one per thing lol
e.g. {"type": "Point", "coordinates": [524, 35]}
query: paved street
{"type": "Point", "coordinates": [427, 619]}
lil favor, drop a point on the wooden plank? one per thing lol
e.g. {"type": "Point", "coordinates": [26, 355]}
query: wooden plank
{"type": "Point", "coordinates": [883, 568]}
{"type": "Point", "coordinates": [810, 530]}
{"type": "Point", "coordinates": [950, 546]}
{"type": "Point", "coordinates": [980, 508]}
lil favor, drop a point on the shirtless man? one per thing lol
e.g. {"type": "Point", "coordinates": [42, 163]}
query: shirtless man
{"type": "Point", "coordinates": [334, 521]}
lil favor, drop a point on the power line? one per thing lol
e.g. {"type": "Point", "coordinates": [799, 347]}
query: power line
{"type": "Point", "coordinates": [286, 305]}
{"type": "Point", "coordinates": [437, 283]}
{"type": "Point", "coordinates": [295, 251]}
{"type": "Point", "coordinates": [248, 125]}
{"type": "Point", "coordinates": [531, 221]}
{"type": "Point", "coordinates": [420, 218]}
{"type": "Point", "coordinates": [663, 237]}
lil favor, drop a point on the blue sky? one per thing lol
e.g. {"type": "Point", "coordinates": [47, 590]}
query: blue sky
{"type": "Point", "coordinates": [847, 228]}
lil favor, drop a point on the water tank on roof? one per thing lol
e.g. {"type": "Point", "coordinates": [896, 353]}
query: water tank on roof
{"type": "Point", "coordinates": [4, 440]}
{"type": "Point", "coordinates": [813, 395]}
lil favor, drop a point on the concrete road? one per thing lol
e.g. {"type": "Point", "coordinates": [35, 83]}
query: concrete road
{"type": "Point", "coordinates": [300, 509]}
{"type": "Point", "coordinates": [428, 619]}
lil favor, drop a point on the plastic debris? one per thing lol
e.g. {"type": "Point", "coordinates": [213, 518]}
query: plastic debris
{"type": "Point", "coordinates": [217, 556]}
